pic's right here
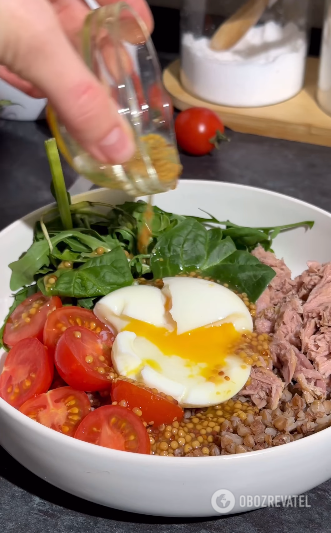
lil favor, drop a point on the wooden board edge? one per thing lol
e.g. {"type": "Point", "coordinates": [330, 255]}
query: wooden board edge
{"type": "Point", "coordinates": [305, 133]}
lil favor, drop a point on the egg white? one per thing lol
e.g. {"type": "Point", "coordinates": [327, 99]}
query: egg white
{"type": "Point", "coordinates": [186, 304]}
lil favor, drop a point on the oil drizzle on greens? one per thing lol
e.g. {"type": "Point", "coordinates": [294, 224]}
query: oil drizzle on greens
{"type": "Point", "coordinates": [101, 244]}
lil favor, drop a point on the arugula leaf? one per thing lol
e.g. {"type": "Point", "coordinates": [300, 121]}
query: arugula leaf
{"type": "Point", "coordinates": [19, 297]}
{"type": "Point", "coordinates": [33, 260]}
{"type": "Point", "coordinates": [243, 272]}
{"type": "Point", "coordinates": [37, 256]}
{"type": "Point", "coordinates": [140, 265]}
{"type": "Point", "coordinates": [127, 221]}
{"type": "Point", "coordinates": [97, 277]}
{"type": "Point", "coordinates": [246, 237]}
{"type": "Point", "coordinates": [65, 255]}
{"type": "Point", "coordinates": [75, 245]}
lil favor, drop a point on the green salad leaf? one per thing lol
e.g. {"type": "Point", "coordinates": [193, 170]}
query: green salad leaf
{"type": "Point", "coordinates": [188, 247]}
{"type": "Point", "coordinates": [97, 277]}
{"type": "Point", "coordinates": [92, 248]}
{"type": "Point", "coordinates": [88, 303]}
{"type": "Point", "coordinates": [242, 272]}
{"type": "Point", "coordinates": [191, 247]}
{"type": "Point", "coordinates": [24, 270]}
{"type": "Point", "coordinates": [38, 255]}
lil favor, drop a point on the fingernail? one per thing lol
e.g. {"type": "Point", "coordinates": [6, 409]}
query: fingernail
{"type": "Point", "coordinates": [117, 147]}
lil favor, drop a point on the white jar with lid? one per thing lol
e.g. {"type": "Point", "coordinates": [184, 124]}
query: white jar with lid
{"type": "Point", "coordinates": [265, 67]}
{"type": "Point", "coordinates": [324, 78]}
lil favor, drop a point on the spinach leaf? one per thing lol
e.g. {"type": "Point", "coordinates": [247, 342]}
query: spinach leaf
{"type": "Point", "coordinates": [180, 249]}
{"type": "Point", "coordinates": [187, 247]}
{"type": "Point", "coordinates": [243, 272]}
{"type": "Point", "coordinates": [96, 277]}
{"type": "Point", "coordinates": [19, 297]}
{"type": "Point", "coordinates": [88, 303]}
{"type": "Point", "coordinates": [217, 248]}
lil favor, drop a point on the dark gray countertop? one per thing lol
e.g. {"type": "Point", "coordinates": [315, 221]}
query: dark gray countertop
{"type": "Point", "coordinates": [30, 504]}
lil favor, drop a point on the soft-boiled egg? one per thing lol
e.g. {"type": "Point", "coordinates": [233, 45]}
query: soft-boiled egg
{"type": "Point", "coordinates": [181, 339]}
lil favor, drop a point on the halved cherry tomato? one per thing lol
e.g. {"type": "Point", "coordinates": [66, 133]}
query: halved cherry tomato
{"type": "Point", "coordinates": [29, 318]}
{"type": "Point", "coordinates": [69, 316]}
{"type": "Point", "coordinates": [83, 361]}
{"type": "Point", "coordinates": [28, 371]}
{"type": "Point", "coordinates": [113, 426]}
{"type": "Point", "coordinates": [155, 407]}
{"type": "Point", "coordinates": [61, 409]}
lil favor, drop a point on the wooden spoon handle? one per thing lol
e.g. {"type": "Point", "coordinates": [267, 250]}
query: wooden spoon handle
{"type": "Point", "coordinates": [229, 33]}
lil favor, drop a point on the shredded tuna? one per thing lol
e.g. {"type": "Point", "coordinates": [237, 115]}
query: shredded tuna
{"type": "Point", "coordinates": [289, 322]}
{"type": "Point", "coordinates": [318, 304]}
{"type": "Point", "coordinates": [282, 283]}
{"type": "Point", "coordinates": [284, 358]}
{"type": "Point", "coordinates": [308, 280]}
{"type": "Point", "coordinates": [281, 286]}
{"type": "Point", "coordinates": [319, 348]}
{"type": "Point", "coordinates": [310, 391]}
{"type": "Point", "coordinates": [265, 388]}
{"type": "Point", "coordinates": [297, 314]}
{"type": "Point", "coordinates": [306, 333]}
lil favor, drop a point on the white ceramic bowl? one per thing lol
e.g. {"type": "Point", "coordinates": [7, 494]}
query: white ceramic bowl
{"type": "Point", "coordinates": [177, 486]}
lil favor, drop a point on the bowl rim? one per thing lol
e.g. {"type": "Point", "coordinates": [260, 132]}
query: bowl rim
{"type": "Point", "coordinates": [144, 459]}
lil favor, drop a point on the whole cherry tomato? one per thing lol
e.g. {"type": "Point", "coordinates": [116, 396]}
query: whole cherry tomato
{"type": "Point", "coordinates": [199, 130]}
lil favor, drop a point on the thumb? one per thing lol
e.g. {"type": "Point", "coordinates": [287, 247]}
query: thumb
{"type": "Point", "coordinates": [49, 62]}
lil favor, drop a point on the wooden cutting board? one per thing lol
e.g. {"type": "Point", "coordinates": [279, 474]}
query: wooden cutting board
{"type": "Point", "coordinates": [299, 119]}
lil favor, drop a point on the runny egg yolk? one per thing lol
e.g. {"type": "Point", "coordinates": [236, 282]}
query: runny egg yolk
{"type": "Point", "coordinates": [209, 345]}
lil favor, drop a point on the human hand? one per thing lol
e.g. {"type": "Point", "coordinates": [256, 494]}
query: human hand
{"type": "Point", "coordinates": [37, 57]}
